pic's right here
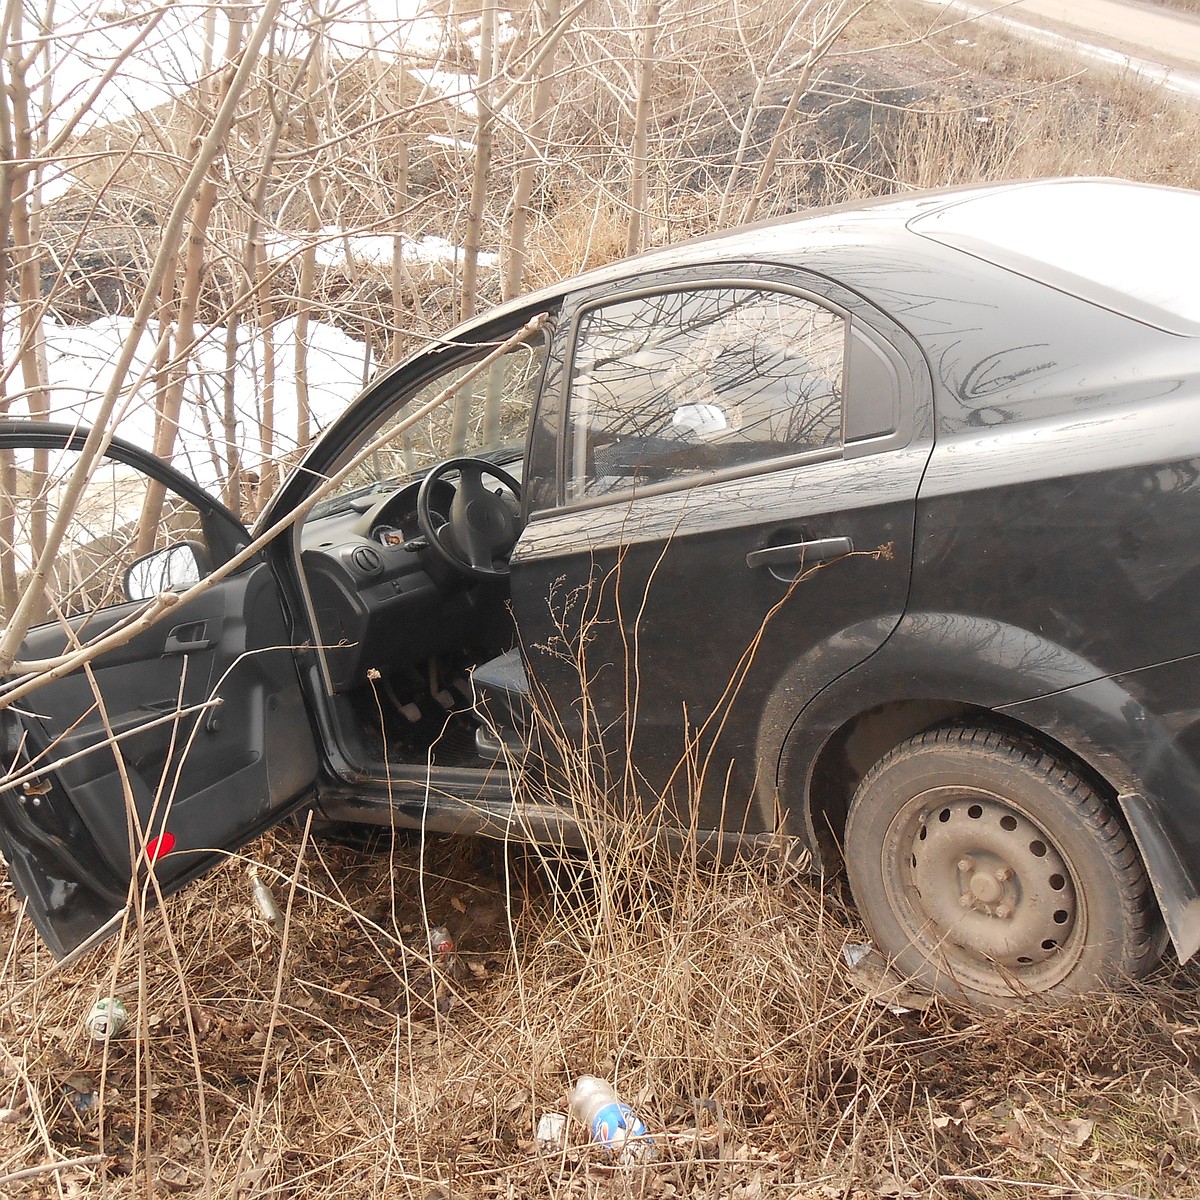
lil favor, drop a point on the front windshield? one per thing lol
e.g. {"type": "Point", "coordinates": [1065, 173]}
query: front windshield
{"type": "Point", "coordinates": [487, 418]}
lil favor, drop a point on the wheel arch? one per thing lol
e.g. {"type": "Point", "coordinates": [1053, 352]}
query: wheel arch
{"type": "Point", "coordinates": [941, 667]}
{"type": "Point", "coordinates": [861, 741]}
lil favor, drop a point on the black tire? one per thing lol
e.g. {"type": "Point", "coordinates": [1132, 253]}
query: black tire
{"type": "Point", "coordinates": [991, 870]}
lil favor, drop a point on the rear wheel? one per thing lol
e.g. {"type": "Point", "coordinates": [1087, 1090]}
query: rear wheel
{"type": "Point", "coordinates": [987, 868]}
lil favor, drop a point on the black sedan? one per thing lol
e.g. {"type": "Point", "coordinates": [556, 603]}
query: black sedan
{"type": "Point", "coordinates": [876, 529]}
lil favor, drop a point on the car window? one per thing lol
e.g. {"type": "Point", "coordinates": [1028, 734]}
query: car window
{"type": "Point", "coordinates": [488, 417]}
{"type": "Point", "coordinates": [105, 535]}
{"type": "Point", "coordinates": [673, 384]}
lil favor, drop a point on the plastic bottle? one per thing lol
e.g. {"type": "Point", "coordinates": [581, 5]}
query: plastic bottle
{"type": "Point", "coordinates": [443, 968]}
{"type": "Point", "coordinates": [442, 949]}
{"type": "Point", "coordinates": [614, 1125]}
{"type": "Point", "coordinates": [264, 900]}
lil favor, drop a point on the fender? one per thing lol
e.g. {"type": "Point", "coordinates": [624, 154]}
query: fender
{"type": "Point", "coordinates": [1135, 730]}
{"type": "Point", "coordinates": [1140, 732]}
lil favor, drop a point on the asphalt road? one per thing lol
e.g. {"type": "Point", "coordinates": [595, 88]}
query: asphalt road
{"type": "Point", "coordinates": [1160, 43]}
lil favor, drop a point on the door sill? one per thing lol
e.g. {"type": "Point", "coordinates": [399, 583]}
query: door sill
{"type": "Point", "coordinates": [441, 805]}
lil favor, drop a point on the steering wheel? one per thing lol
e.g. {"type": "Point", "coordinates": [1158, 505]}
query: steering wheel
{"type": "Point", "coordinates": [483, 525]}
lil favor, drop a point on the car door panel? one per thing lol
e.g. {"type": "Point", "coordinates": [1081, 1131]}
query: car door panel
{"type": "Point", "coordinates": [205, 771]}
{"type": "Point", "coordinates": [212, 741]}
{"type": "Point", "coordinates": [679, 611]}
{"type": "Point", "coordinates": [683, 637]}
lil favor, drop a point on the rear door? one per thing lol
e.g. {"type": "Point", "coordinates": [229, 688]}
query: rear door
{"type": "Point", "coordinates": [739, 457]}
{"type": "Point", "coordinates": [183, 739]}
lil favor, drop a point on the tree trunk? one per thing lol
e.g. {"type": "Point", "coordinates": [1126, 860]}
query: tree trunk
{"type": "Point", "coordinates": [167, 419]}
{"type": "Point", "coordinates": [641, 126]}
{"type": "Point", "coordinates": [27, 264]}
{"type": "Point", "coordinates": [11, 182]}
{"type": "Point", "coordinates": [481, 172]}
{"type": "Point", "coordinates": [535, 147]}
{"type": "Point", "coordinates": [314, 195]}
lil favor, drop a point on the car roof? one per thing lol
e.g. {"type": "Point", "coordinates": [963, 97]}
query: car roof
{"type": "Point", "coordinates": [990, 223]}
{"type": "Point", "coordinates": [762, 239]}
{"type": "Point", "coordinates": [1130, 248]}
{"type": "Point", "coordinates": [841, 222]}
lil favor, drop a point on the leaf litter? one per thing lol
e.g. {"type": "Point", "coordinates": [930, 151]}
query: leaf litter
{"type": "Point", "coordinates": [718, 1001]}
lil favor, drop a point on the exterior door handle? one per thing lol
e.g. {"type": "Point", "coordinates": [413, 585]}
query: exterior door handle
{"type": "Point", "coordinates": [807, 553]}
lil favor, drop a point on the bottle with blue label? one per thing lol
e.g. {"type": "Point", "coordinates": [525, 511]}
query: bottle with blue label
{"type": "Point", "coordinates": [613, 1125]}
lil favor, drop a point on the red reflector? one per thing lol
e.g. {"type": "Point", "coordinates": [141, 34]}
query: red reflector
{"type": "Point", "coordinates": [156, 847]}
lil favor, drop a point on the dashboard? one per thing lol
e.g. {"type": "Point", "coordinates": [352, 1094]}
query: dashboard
{"type": "Point", "coordinates": [380, 596]}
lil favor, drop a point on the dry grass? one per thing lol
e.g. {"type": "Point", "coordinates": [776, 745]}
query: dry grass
{"type": "Point", "coordinates": [718, 1001]}
{"type": "Point", "coordinates": [584, 229]}
{"type": "Point", "coordinates": [323, 1059]}
{"type": "Point", "coordinates": [1009, 109]}
{"type": "Point", "coordinates": [988, 107]}
{"type": "Point", "coordinates": [1184, 5]}
{"type": "Point", "coordinates": [1021, 140]}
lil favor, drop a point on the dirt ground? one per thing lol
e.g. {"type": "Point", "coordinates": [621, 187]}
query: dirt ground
{"type": "Point", "coordinates": [318, 1060]}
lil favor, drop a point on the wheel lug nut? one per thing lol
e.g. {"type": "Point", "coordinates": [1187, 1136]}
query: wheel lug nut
{"type": "Point", "coordinates": [1003, 911]}
{"type": "Point", "coordinates": [966, 864]}
{"type": "Point", "coordinates": [965, 901]}
{"type": "Point", "coordinates": [1004, 874]}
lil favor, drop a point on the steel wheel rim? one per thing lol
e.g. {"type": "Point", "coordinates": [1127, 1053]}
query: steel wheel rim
{"type": "Point", "coordinates": [982, 889]}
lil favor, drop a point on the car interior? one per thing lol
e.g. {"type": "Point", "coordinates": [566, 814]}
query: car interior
{"type": "Point", "coordinates": [405, 568]}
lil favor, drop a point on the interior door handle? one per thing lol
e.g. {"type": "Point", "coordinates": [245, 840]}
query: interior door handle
{"type": "Point", "coordinates": [807, 553]}
{"type": "Point", "coordinates": [189, 639]}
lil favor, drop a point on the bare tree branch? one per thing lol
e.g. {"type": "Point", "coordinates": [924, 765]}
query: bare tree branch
{"type": "Point", "coordinates": [99, 436]}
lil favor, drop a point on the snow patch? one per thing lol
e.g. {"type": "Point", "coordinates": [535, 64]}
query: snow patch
{"type": "Point", "coordinates": [453, 87]}
{"type": "Point", "coordinates": [80, 361]}
{"type": "Point", "coordinates": [441, 139]}
{"type": "Point", "coordinates": [336, 247]}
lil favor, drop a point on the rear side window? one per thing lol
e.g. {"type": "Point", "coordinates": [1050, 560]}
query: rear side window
{"type": "Point", "coordinates": [681, 383]}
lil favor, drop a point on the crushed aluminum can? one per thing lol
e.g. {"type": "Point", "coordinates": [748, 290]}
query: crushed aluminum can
{"type": "Point", "coordinates": [853, 953]}
{"type": "Point", "coordinates": [107, 1019]}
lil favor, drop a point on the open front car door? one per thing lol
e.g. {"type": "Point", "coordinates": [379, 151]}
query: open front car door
{"type": "Point", "coordinates": [179, 741]}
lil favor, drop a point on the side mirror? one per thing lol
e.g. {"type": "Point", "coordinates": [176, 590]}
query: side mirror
{"type": "Point", "coordinates": [168, 570]}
